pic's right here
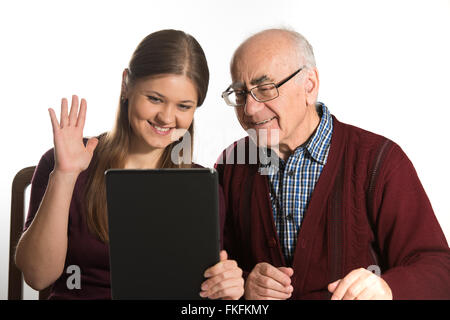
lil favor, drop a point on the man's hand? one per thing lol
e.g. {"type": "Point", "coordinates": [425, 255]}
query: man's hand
{"type": "Point", "coordinates": [267, 282]}
{"type": "Point", "coordinates": [360, 284]}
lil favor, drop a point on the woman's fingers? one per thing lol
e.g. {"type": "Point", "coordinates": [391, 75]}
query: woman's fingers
{"type": "Point", "coordinates": [73, 111]}
{"type": "Point", "coordinates": [232, 288]}
{"type": "Point", "coordinates": [64, 118]}
{"type": "Point", "coordinates": [220, 267]}
{"type": "Point", "coordinates": [75, 117]}
{"type": "Point", "coordinates": [211, 282]}
{"type": "Point", "coordinates": [53, 119]}
{"type": "Point", "coordinates": [82, 114]}
{"type": "Point", "coordinates": [223, 255]}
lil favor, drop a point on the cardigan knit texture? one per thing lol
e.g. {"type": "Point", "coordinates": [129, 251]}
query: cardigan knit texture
{"type": "Point", "coordinates": [357, 217]}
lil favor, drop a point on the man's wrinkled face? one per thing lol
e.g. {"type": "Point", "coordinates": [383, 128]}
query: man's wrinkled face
{"type": "Point", "coordinates": [265, 61]}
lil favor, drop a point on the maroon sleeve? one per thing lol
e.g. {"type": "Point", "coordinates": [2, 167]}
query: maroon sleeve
{"type": "Point", "coordinates": [39, 185]}
{"type": "Point", "coordinates": [409, 236]}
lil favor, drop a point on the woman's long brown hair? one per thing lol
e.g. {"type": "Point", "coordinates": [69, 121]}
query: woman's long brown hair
{"type": "Point", "coordinates": [162, 52]}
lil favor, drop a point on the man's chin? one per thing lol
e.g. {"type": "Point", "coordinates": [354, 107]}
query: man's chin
{"type": "Point", "coordinates": [265, 137]}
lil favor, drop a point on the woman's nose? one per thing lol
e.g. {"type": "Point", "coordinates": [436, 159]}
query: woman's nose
{"type": "Point", "coordinates": [166, 115]}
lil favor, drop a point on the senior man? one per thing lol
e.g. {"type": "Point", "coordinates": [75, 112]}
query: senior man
{"type": "Point", "coordinates": [325, 204]}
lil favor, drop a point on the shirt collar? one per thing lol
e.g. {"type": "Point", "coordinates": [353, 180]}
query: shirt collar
{"type": "Point", "coordinates": [319, 143]}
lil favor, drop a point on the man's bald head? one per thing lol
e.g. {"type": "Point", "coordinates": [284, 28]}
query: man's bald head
{"type": "Point", "coordinates": [289, 44]}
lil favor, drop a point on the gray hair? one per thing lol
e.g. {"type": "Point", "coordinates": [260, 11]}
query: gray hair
{"type": "Point", "coordinates": [305, 50]}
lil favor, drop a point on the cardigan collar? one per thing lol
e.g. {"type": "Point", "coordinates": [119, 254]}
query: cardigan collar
{"type": "Point", "coordinates": [318, 145]}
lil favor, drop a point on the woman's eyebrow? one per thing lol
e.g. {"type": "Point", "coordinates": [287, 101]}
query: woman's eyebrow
{"type": "Point", "coordinates": [154, 92]}
{"type": "Point", "coordinates": [187, 101]}
{"type": "Point", "coordinates": [164, 97]}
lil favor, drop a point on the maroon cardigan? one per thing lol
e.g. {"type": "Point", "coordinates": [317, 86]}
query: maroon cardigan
{"type": "Point", "coordinates": [368, 208]}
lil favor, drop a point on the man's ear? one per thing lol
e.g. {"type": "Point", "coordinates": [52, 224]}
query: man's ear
{"type": "Point", "coordinates": [312, 86]}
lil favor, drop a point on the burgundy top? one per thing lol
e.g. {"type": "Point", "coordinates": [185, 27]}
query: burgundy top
{"type": "Point", "coordinates": [84, 249]}
{"type": "Point", "coordinates": [348, 224]}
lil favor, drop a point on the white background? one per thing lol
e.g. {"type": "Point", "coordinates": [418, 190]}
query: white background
{"type": "Point", "coordinates": [384, 66]}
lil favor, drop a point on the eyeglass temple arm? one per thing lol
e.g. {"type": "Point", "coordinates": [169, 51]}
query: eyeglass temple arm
{"type": "Point", "coordinates": [289, 78]}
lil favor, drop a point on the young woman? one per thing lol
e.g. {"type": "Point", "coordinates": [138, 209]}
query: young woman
{"type": "Point", "coordinates": [166, 81]}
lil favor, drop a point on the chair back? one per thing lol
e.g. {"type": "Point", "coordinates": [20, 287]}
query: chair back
{"type": "Point", "coordinates": [15, 280]}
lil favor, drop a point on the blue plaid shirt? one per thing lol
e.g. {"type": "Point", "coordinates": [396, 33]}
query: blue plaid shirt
{"type": "Point", "coordinates": [293, 182]}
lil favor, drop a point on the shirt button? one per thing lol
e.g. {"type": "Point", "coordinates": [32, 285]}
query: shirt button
{"type": "Point", "coordinates": [290, 216]}
{"type": "Point", "coordinates": [290, 173]}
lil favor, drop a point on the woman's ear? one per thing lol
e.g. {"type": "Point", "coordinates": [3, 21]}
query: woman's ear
{"type": "Point", "coordinates": [124, 90]}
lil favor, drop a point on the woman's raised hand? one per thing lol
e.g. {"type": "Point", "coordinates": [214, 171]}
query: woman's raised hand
{"type": "Point", "coordinates": [71, 155]}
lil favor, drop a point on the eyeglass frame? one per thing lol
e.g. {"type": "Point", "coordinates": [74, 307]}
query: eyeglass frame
{"type": "Point", "coordinates": [227, 92]}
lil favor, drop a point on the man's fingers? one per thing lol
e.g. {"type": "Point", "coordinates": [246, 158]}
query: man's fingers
{"type": "Point", "coordinates": [272, 272]}
{"type": "Point", "coordinates": [332, 286]}
{"type": "Point", "coordinates": [357, 275]}
{"type": "Point", "coordinates": [345, 283]}
{"type": "Point", "coordinates": [272, 294]}
{"type": "Point", "coordinates": [286, 270]}
{"type": "Point", "coordinates": [355, 289]}
{"type": "Point", "coordinates": [269, 283]}
{"type": "Point", "coordinates": [366, 294]}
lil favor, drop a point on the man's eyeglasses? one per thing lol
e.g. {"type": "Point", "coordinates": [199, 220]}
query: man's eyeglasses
{"type": "Point", "coordinates": [261, 93]}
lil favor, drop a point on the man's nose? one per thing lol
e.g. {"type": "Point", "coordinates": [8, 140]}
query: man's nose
{"type": "Point", "coordinates": [252, 106]}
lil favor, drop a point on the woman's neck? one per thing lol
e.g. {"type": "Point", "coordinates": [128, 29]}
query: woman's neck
{"type": "Point", "coordinates": [143, 157]}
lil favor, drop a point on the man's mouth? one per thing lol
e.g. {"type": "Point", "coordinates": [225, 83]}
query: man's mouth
{"type": "Point", "coordinates": [260, 123]}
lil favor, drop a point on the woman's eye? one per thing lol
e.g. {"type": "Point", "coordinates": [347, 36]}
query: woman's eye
{"type": "Point", "coordinates": [185, 106]}
{"type": "Point", "coordinates": [154, 99]}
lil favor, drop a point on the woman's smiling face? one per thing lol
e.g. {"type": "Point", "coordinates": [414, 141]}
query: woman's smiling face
{"type": "Point", "coordinates": [161, 109]}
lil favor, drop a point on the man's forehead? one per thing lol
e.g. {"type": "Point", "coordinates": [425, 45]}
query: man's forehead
{"type": "Point", "coordinates": [260, 61]}
{"type": "Point", "coordinates": [254, 73]}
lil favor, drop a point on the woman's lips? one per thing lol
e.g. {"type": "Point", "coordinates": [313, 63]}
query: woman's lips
{"type": "Point", "coordinates": [160, 130]}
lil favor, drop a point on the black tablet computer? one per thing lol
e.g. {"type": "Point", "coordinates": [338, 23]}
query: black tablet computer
{"type": "Point", "coordinates": [163, 231]}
